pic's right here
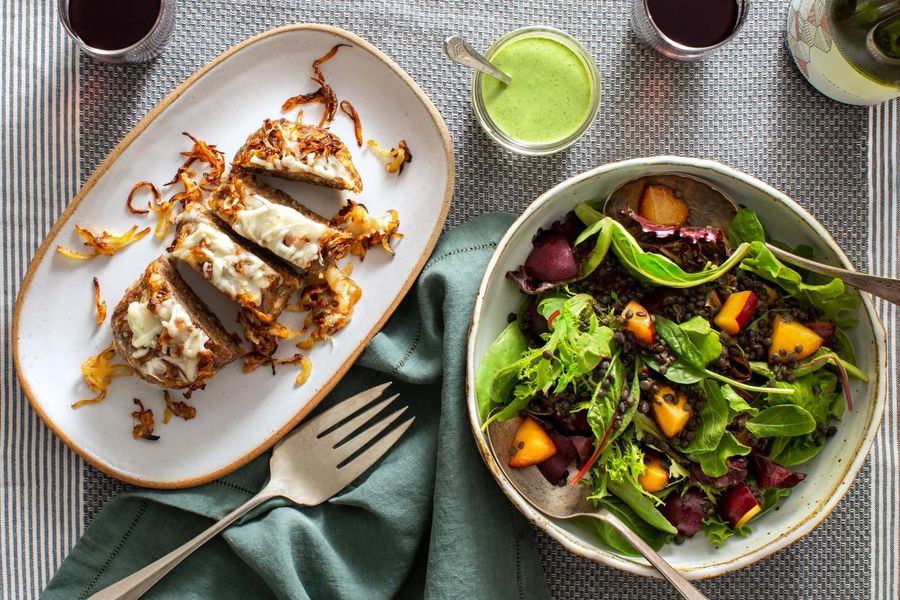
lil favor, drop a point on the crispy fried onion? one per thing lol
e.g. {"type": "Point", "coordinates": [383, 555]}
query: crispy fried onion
{"type": "Point", "coordinates": [263, 337]}
{"type": "Point", "coordinates": [317, 72]}
{"type": "Point", "coordinates": [154, 191]}
{"type": "Point", "coordinates": [144, 428]}
{"type": "Point", "coordinates": [164, 218]}
{"type": "Point", "coordinates": [185, 176]}
{"type": "Point", "coordinates": [330, 303]}
{"type": "Point", "coordinates": [348, 110]}
{"type": "Point", "coordinates": [253, 361]}
{"type": "Point", "coordinates": [98, 303]}
{"type": "Point", "coordinates": [98, 371]}
{"type": "Point", "coordinates": [324, 95]}
{"type": "Point", "coordinates": [231, 198]}
{"type": "Point", "coordinates": [104, 243]}
{"type": "Point", "coordinates": [367, 231]}
{"type": "Point", "coordinates": [269, 143]}
{"type": "Point", "coordinates": [399, 156]}
{"type": "Point", "coordinates": [182, 410]}
{"type": "Point", "coordinates": [206, 153]}
{"type": "Point", "coordinates": [165, 210]}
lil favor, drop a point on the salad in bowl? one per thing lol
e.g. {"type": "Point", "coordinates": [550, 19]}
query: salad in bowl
{"type": "Point", "coordinates": [680, 374]}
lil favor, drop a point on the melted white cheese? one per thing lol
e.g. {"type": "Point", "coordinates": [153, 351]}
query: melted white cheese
{"type": "Point", "coordinates": [327, 167]}
{"type": "Point", "coordinates": [237, 273]}
{"type": "Point", "coordinates": [286, 232]}
{"type": "Point", "coordinates": [185, 344]}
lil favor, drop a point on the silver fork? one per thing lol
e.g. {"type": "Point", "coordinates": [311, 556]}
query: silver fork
{"type": "Point", "coordinates": [308, 466]}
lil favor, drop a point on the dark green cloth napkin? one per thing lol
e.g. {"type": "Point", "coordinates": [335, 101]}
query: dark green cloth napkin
{"type": "Point", "coordinates": [427, 521]}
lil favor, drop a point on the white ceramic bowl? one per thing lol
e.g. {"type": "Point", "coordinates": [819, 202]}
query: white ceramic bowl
{"type": "Point", "coordinates": [830, 474]}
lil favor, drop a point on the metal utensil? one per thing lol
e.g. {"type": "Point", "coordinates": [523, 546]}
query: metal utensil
{"type": "Point", "coordinates": [309, 466]}
{"type": "Point", "coordinates": [461, 52]}
{"type": "Point", "coordinates": [710, 206]}
{"type": "Point", "coordinates": [570, 501]}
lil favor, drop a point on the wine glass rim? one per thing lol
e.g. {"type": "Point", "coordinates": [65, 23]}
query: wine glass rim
{"type": "Point", "coordinates": [743, 7]}
{"type": "Point", "coordinates": [64, 18]}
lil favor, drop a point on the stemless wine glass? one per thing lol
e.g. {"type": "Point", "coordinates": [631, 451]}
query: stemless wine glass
{"type": "Point", "coordinates": [649, 32]}
{"type": "Point", "coordinates": [142, 50]}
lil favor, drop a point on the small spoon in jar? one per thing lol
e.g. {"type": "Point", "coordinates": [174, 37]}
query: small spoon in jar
{"type": "Point", "coordinates": [459, 51]}
{"type": "Point", "coordinates": [710, 207]}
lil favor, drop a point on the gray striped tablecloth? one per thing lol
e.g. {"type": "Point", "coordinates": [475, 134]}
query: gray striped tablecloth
{"type": "Point", "coordinates": [62, 113]}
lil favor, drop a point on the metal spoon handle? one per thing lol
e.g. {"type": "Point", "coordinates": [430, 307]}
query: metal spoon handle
{"type": "Point", "coordinates": [684, 587]}
{"type": "Point", "coordinates": [459, 51]}
{"type": "Point", "coordinates": [883, 287]}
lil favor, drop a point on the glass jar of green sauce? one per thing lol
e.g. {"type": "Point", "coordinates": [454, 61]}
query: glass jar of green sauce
{"type": "Point", "coordinates": [553, 98]}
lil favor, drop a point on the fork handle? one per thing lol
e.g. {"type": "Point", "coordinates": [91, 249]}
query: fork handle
{"type": "Point", "coordinates": [684, 587]}
{"type": "Point", "coordinates": [135, 585]}
{"type": "Point", "coordinates": [883, 287]}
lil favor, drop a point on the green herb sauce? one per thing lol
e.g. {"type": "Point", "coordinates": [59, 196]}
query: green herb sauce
{"type": "Point", "coordinates": [550, 95]}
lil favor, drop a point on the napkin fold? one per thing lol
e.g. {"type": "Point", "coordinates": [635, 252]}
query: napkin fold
{"type": "Point", "coordinates": [427, 521]}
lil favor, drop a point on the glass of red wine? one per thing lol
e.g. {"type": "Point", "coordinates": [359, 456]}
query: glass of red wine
{"type": "Point", "coordinates": [687, 29]}
{"type": "Point", "coordinates": [119, 31]}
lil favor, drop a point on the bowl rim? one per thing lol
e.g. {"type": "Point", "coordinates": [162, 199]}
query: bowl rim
{"type": "Point", "coordinates": [595, 552]}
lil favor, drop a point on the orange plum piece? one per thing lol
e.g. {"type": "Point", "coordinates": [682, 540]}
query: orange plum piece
{"type": "Point", "coordinates": [791, 337]}
{"type": "Point", "coordinates": [532, 444]}
{"type": "Point", "coordinates": [660, 204]}
{"type": "Point", "coordinates": [640, 323]}
{"type": "Point", "coordinates": [737, 312]}
{"type": "Point", "coordinates": [655, 476]}
{"type": "Point", "coordinates": [670, 416]}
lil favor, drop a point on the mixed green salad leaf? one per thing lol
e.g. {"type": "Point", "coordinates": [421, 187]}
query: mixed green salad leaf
{"type": "Point", "coordinates": [691, 368]}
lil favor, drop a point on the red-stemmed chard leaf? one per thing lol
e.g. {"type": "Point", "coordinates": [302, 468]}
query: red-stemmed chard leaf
{"type": "Point", "coordinates": [737, 472]}
{"type": "Point", "coordinates": [770, 474]}
{"type": "Point", "coordinates": [836, 361]}
{"type": "Point", "coordinates": [590, 462]}
{"type": "Point", "coordinates": [648, 226]}
{"type": "Point", "coordinates": [694, 234]}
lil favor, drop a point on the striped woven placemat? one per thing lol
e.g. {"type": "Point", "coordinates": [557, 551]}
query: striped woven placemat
{"type": "Point", "coordinates": [747, 106]}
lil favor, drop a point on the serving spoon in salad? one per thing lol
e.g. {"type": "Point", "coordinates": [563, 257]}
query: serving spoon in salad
{"type": "Point", "coordinates": [710, 207]}
{"type": "Point", "coordinates": [570, 501]}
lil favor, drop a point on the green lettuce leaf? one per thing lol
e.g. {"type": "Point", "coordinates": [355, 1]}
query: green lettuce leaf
{"type": "Point", "coordinates": [502, 353]}
{"type": "Point", "coordinates": [781, 420]}
{"type": "Point", "coordinates": [737, 404]}
{"type": "Point", "coordinates": [717, 530]}
{"type": "Point", "coordinates": [635, 391]}
{"type": "Point", "coordinates": [575, 346]}
{"type": "Point", "coordinates": [816, 393]}
{"type": "Point", "coordinates": [713, 420]}
{"type": "Point", "coordinates": [831, 297]}
{"type": "Point", "coordinates": [684, 373]}
{"type": "Point", "coordinates": [714, 463]}
{"type": "Point", "coordinates": [605, 400]}
{"type": "Point", "coordinates": [679, 342]}
{"type": "Point", "coordinates": [646, 266]}
{"type": "Point", "coordinates": [745, 228]}
{"type": "Point", "coordinates": [655, 538]}
{"type": "Point", "coordinates": [793, 451]}
{"type": "Point", "coordinates": [771, 496]}
{"type": "Point", "coordinates": [633, 495]}
{"type": "Point", "coordinates": [704, 337]}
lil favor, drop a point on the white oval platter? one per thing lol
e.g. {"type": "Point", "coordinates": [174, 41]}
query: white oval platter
{"type": "Point", "coordinates": [238, 415]}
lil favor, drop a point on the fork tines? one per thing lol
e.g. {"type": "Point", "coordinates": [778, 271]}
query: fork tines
{"type": "Point", "coordinates": [345, 427]}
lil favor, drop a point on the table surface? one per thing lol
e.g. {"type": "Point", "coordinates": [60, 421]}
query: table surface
{"type": "Point", "coordinates": [747, 106]}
